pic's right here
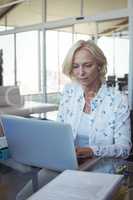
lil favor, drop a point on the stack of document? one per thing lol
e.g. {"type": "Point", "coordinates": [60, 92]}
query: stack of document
{"type": "Point", "coordinates": [80, 185]}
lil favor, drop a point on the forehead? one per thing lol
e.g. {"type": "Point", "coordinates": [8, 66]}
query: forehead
{"type": "Point", "coordinates": [83, 55]}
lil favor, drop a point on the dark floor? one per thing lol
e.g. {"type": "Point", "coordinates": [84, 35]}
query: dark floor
{"type": "Point", "coordinates": [11, 182]}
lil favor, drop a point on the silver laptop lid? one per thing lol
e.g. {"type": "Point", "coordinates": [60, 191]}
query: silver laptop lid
{"type": "Point", "coordinates": [40, 143]}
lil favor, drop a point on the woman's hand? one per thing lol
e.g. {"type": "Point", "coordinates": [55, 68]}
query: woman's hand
{"type": "Point", "coordinates": [84, 152]}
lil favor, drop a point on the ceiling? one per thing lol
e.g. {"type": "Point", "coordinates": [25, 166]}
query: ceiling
{"type": "Point", "coordinates": [30, 12]}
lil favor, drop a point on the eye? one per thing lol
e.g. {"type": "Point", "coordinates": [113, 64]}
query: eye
{"type": "Point", "coordinates": [74, 65]}
{"type": "Point", "coordinates": [88, 65]}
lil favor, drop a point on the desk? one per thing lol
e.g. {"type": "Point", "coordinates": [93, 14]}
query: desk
{"type": "Point", "coordinates": [28, 108]}
{"type": "Point", "coordinates": [79, 185]}
{"type": "Point", "coordinates": [112, 166]}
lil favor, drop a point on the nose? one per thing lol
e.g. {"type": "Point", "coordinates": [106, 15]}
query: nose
{"type": "Point", "coordinates": [81, 70]}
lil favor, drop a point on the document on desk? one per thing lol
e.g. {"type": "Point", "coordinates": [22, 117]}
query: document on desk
{"type": "Point", "coordinates": [79, 185]}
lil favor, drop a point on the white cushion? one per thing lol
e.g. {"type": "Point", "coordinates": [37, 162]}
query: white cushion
{"type": "Point", "coordinates": [10, 96]}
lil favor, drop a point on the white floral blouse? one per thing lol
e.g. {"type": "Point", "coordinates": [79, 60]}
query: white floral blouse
{"type": "Point", "coordinates": [109, 119]}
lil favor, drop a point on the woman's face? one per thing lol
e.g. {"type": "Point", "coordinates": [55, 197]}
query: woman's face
{"type": "Point", "coordinates": [85, 69]}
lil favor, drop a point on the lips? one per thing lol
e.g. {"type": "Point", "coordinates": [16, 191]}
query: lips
{"type": "Point", "coordinates": [83, 79]}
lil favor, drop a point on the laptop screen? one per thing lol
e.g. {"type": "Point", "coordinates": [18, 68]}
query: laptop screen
{"type": "Point", "coordinates": [40, 143]}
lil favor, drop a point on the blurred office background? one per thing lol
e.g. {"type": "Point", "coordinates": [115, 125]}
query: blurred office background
{"type": "Point", "coordinates": [36, 34]}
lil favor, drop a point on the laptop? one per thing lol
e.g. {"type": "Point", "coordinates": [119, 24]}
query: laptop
{"type": "Point", "coordinates": [42, 143]}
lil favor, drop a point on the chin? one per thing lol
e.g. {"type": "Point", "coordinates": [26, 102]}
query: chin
{"type": "Point", "coordinates": [84, 84]}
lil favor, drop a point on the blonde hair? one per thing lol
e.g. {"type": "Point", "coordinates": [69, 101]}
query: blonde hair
{"type": "Point", "coordinates": [96, 52]}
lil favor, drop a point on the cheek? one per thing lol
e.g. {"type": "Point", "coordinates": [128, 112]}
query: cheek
{"type": "Point", "coordinates": [75, 72]}
{"type": "Point", "coordinates": [93, 72]}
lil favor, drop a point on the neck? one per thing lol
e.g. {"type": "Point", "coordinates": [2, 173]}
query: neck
{"type": "Point", "coordinates": [92, 88]}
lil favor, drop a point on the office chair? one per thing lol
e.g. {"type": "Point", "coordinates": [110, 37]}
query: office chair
{"type": "Point", "coordinates": [111, 81]}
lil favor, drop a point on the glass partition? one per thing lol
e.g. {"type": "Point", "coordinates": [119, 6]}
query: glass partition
{"type": "Point", "coordinates": [116, 50]}
{"type": "Point", "coordinates": [111, 36]}
{"type": "Point", "coordinates": [57, 44]}
{"type": "Point", "coordinates": [27, 62]}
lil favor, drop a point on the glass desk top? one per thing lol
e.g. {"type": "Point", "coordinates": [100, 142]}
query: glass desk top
{"type": "Point", "coordinates": [118, 166]}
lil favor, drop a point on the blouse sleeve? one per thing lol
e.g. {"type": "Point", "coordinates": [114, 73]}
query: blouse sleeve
{"type": "Point", "coordinates": [122, 133]}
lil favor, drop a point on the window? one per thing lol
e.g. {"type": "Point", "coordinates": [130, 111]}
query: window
{"type": "Point", "coordinates": [27, 62]}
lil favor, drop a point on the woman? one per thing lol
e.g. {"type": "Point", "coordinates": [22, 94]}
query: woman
{"type": "Point", "coordinates": [98, 114]}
